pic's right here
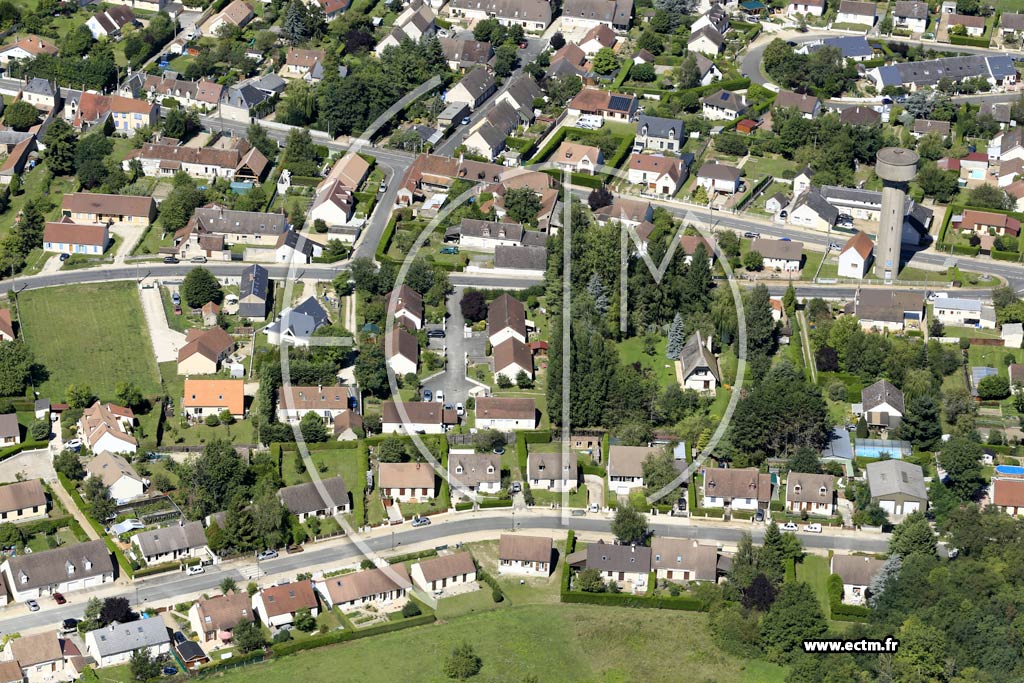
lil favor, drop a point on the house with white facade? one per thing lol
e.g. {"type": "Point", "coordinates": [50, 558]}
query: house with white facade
{"type": "Point", "coordinates": [116, 643]}
{"type": "Point", "coordinates": [857, 572]}
{"type": "Point", "coordinates": [406, 482]}
{"type": "Point", "coordinates": [438, 573]}
{"type": "Point", "coordinates": [474, 472]}
{"type": "Point", "coordinates": [328, 402]}
{"type": "Point", "coordinates": [723, 106]}
{"type": "Point", "coordinates": [278, 605]}
{"type": "Point", "coordinates": [626, 467]}
{"type": "Point", "coordinates": [424, 417]}
{"type": "Point", "coordinates": [698, 366]}
{"type": "Point", "coordinates": [718, 177]}
{"type": "Point", "coordinates": [64, 570]}
{"type": "Point", "coordinates": [402, 351]}
{"type": "Point", "coordinates": [577, 158]}
{"type": "Point", "coordinates": [782, 255]}
{"type": "Point", "coordinates": [383, 588]}
{"type": "Point", "coordinates": [524, 555]}
{"type": "Point", "coordinates": [814, 494]}
{"type": "Point", "coordinates": [683, 559]}
{"type": "Point", "coordinates": [505, 414]}
{"type": "Point", "coordinates": [506, 319]}
{"type": "Point", "coordinates": [107, 427]}
{"type": "Point", "coordinates": [171, 543]}
{"type": "Point", "coordinates": [628, 566]}
{"type": "Point", "coordinates": [408, 305]}
{"type": "Point", "coordinates": [23, 501]}
{"type": "Point", "coordinates": [656, 174]}
{"type": "Point", "coordinates": [742, 488]}
{"type": "Point", "coordinates": [117, 474]}
{"type": "Point", "coordinates": [660, 134]}
{"type": "Point", "coordinates": [856, 255]}
{"type": "Point", "coordinates": [305, 500]}
{"type": "Point", "coordinates": [910, 15]}
{"type": "Point", "coordinates": [961, 312]}
{"type": "Point", "coordinates": [552, 472]}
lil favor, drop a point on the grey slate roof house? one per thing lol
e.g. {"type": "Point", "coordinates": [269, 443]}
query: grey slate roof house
{"type": "Point", "coordinates": [171, 542]}
{"type": "Point", "coordinates": [882, 404]}
{"type": "Point", "coordinates": [297, 324]}
{"type": "Point", "coordinates": [305, 501]}
{"type": "Point", "coordinates": [897, 486]}
{"type": "Point", "coordinates": [699, 366]}
{"type": "Point", "coordinates": [655, 132]}
{"type": "Point", "coordinates": [525, 259]}
{"type": "Point", "coordinates": [115, 643]}
{"type": "Point", "coordinates": [252, 293]}
{"type": "Point", "coordinates": [64, 569]}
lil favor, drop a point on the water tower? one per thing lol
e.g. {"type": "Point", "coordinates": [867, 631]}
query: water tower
{"type": "Point", "coordinates": [896, 167]}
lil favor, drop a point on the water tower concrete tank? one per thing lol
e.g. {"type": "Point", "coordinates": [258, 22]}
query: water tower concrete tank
{"type": "Point", "coordinates": [896, 167]}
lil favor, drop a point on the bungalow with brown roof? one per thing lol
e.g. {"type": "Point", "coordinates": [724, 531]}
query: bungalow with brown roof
{"type": "Point", "coordinates": [552, 471]}
{"type": "Point", "coordinates": [524, 555]}
{"type": "Point", "coordinates": [6, 325]}
{"type": "Point", "coordinates": [425, 417]}
{"type": "Point", "coordinates": [278, 605]}
{"type": "Point", "coordinates": [348, 426]}
{"type": "Point", "coordinates": [988, 222]}
{"type": "Point", "coordinates": [1007, 495]}
{"type": "Point", "coordinates": [402, 351]}
{"type": "Point", "coordinates": [299, 62]}
{"type": "Point", "coordinates": [204, 351]}
{"type": "Point", "coordinates": [736, 488]}
{"type": "Point", "coordinates": [505, 414]}
{"type": "Point", "coordinates": [809, 106]}
{"type": "Point", "coordinates": [328, 402]}
{"type": "Point", "coordinates": [512, 357]}
{"type": "Point", "coordinates": [89, 207]}
{"type": "Point", "coordinates": [22, 501]}
{"type": "Point", "coordinates": [598, 38]}
{"type": "Point", "coordinates": [383, 588]}
{"type": "Point", "coordinates": [406, 482]}
{"type": "Point", "coordinates": [472, 471]}
{"type": "Point", "coordinates": [39, 657]}
{"type": "Point", "coordinates": [628, 566]}
{"type": "Point", "coordinates": [657, 174]}
{"type": "Point", "coordinates": [27, 47]}
{"type": "Point", "coordinates": [856, 572]}
{"type": "Point", "coordinates": [626, 467]}
{"type": "Point", "coordinates": [683, 559]}
{"type": "Point", "coordinates": [445, 571]}
{"type": "Point", "coordinates": [603, 103]}
{"type": "Point", "coordinates": [306, 501]}
{"type": "Point", "coordinates": [237, 14]}
{"type": "Point", "coordinates": [855, 256]}
{"type": "Point", "coordinates": [215, 618]}
{"type": "Point", "coordinates": [506, 319]}
{"type": "Point", "coordinates": [718, 177]}
{"type": "Point", "coordinates": [67, 237]}
{"type": "Point", "coordinates": [17, 160]}
{"type": "Point", "coordinates": [408, 305]}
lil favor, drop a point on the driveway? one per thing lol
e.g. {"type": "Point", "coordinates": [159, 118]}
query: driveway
{"type": "Point", "coordinates": [166, 341]}
{"type": "Point", "coordinates": [130, 236]}
{"type": "Point", "coordinates": [453, 381]}
{"type": "Point", "coordinates": [595, 489]}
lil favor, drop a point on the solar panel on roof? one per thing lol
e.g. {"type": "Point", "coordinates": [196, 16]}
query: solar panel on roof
{"type": "Point", "coordinates": [619, 103]}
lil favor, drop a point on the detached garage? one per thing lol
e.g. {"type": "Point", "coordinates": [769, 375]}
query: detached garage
{"type": "Point", "coordinates": [898, 487]}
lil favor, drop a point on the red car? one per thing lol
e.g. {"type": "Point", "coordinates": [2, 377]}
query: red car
{"type": "Point", "coordinates": [59, 598]}
{"type": "Point", "coordinates": [177, 310]}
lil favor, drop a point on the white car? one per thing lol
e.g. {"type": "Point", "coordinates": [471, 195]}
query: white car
{"type": "Point", "coordinates": [73, 444]}
{"type": "Point", "coordinates": [194, 569]}
{"type": "Point", "coordinates": [439, 396]}
{"type": "Point", "coordinates": [790, 526]}
{"type": "Point", "coordinates": [460, 409]}
{"type": "Point", "coordinates": [814, 528]}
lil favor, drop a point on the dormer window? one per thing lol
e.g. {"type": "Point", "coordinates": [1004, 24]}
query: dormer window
{"type": "Point", "coordinates": [70, 567]}
{"type": "Point", "coordinates": [796, 488]}
{"type": "Point", "coordinates": [23, 577]}
{"type": "Point", "coordinates": [822, 491]}
{"type": "Point", "coordinates": [458, 469]}
{"type": "Point", "coordinates": [490, 469]}
{"type": "Point", "coordinates": [88, 565]}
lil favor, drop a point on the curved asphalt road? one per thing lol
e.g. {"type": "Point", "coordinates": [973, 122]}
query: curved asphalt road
{"type": "Point", "coordinates": [163, 588]}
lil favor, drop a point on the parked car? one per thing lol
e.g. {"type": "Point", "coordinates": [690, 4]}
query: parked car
{"type": "Point", "coordinates": [835, 246]}
{"type": "Point", "coordinates": [439, 396]}
{"type": "Point", "coordinates": [435, 334]}
{"type": "Point", "coordinates": [790, 526]}
{"type": "Point", "coordinates": [383, 186]}
{"type": "Point", "coordinates": [171, 259]}
{"type": "Point", "coordinates": [516, 487]}
{"type": "Point", "coordinates": [759, 516]}
{"type": "Point", "coordinates": [814, 528]}
{"type": "Point", "coordinates": [69, 625]}
{"type": "Point", "coordinates": [523, 44]}
{"type": "Point", "coordinates": [594, 507]}
{"type": "Point", "coordinates": [33, 606]}
{"type": "Point", "coordinates": [194, 569]}
{"type": "Point", "coordinates": [179, 638]}
{"type": "Point", "coordinates": [64, 257]}
{"type": "Point", "coordinates": [751, 235]}
{"type": "Point", "coordinates": [198, 259]}
{"type": "Point", "coordinates": [267, 555]}
{"type": "Point", "coordinates": [449, 250]}
{"type": "Point", "coordinates": [421, 521]}
{"type": "Point", "coordinates": [428, 395]}
{"type": "Point", "coordinates": [465, 120]}
{"type": "Point", "coordinates": [177, 309]}
{"type": "Point", "coordinates": [175, 298]}
{"type": "Point", "coordinates": [785, 239]}
{"type": "Point", "coordinates": [73, 444]}
{"type": "Point", "coordinates": [460, 409]}
{"type": "Point", "coordinates": [59, 598]}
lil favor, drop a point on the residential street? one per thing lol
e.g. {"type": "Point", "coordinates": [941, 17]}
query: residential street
{"type": "Point", "coordinates": [453, 381]}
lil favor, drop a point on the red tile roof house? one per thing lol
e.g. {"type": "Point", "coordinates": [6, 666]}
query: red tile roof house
{"type": "Point", "coordinates": [656, 174]}
{"type": "Point", "coordinates": [277, 605]}
{"type": "Point", "coordinates": [406, 482]}
{"type": "Point", "coordinates": [980, 222]}
{"type": "Point", "coordinates": [383, 588]}
{"type": "Point", "coordinates": [17, 160]}
{"type": "Point", "coordinates": [438, 573]}
{"type": "Point", "coordinates": [608, 105]}
{"type": "Point", "coordinates": [215, 618]}
{"type": "Point", "coordinates": [67, 237]}
{"type": "Point", "coordinates": [1008, 495]}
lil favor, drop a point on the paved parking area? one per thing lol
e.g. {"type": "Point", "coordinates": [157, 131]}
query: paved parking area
{"type": "Point", "coordinates": [455, 345]}
{"type": "Point", "coordinates": [33, 464]}
{"type": "Point", "coordinates": [166, 341]}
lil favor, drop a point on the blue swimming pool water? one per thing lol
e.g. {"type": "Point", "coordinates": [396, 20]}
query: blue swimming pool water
{"type": "Point", "coordinates": [1010, 469]}
{"type": "Point", "coordinates": [976, 174]}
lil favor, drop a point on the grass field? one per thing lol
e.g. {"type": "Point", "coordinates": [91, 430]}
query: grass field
{"type": "Point", "coordinates": [813, 570]}
{"type": "Point", "coordinates": [552, 642]}
{"type": "Point", "coordinates": [632, 351]}
{"type": "Point", "coordinates": [992, 356]}
{"type": "Point", "coordinates": [91, 334]}
{"type": "Point", "coordinates": [331, 463]}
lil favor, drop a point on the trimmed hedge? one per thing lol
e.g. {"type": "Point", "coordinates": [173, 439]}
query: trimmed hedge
{"type": "Point", "coordinates": [496, 591]}
{"type": "Point", "coordinates": [486, 503]}
{"type": "Point", "coordinates": [385, 238]}
{"type": "Point", "coordinates": [334, 637]}
{"type": "Point", "coordinates": [627, 600]}
{"type": "Point", "coordinates": [623, 73]}
{"type": "Point", "coordinates": [965, 251]}
{"type": "Point", "coordinates": [522, 451]}
{"type": "Point", "coordinates": [970, 40]}
{"type": "Point", "coordinates": [45, 526]}
{"type": "Point", "coordinates": [1005, 255]}
{"type": "Point", "coordinates": [595, 470]}
{"type": "Point", "coordinates": [462, 507]}
{"type": "Point", "coordinates": [158, 569]}
{"type": "Point", "coordinates": [408, 557]}
{"type": "Point", "coordinates": [841, 612]}
{"type": "Point", "coordinates": [11, 451]}
{"type": "Point", "coordinates": [122, 561]}
{"type": "Point", "coordinates": [790, 576]}
{"type": "Point", "coordinates": [233, 662]}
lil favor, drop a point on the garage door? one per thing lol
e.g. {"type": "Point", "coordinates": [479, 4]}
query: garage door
{"type": "Point", "coordinates": [910, 507]}
{"type": "Point", "coordinates": [887, 505]}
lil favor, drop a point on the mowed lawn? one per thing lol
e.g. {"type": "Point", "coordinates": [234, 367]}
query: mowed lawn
{"type": "Point", "coordinates": [92, 334]}
{"type": "Point", "coordinates": [563, 643]}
